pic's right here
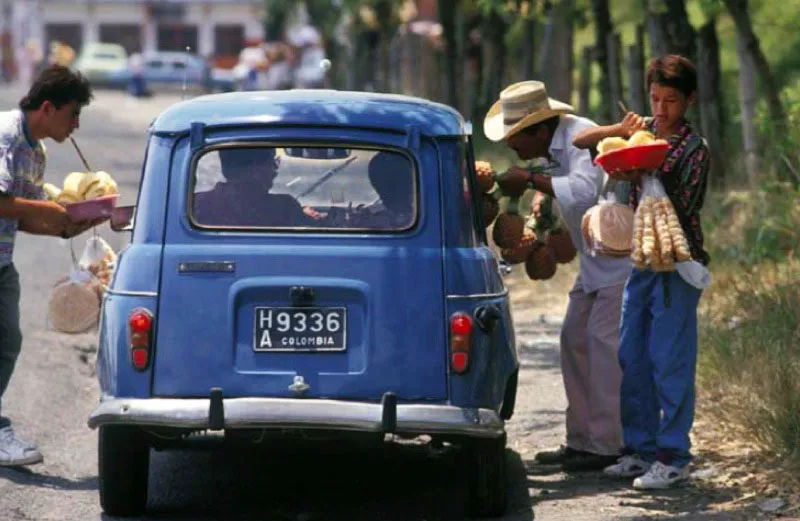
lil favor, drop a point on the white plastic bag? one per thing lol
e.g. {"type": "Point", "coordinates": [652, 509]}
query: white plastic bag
{"type": "Point", "coordinates": [99, 259]}
{"type": "Point", "coordinates": [75, 300]}
{"type": "Point", "coordinates": [607, 228]}
{"type": "Point", "coordinates": [658, 238]}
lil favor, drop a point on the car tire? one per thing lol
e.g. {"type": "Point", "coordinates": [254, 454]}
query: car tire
{"type": "Point", "coordinates": [488, 480]}
{"type": "Point", "coordinates": [124, 462]}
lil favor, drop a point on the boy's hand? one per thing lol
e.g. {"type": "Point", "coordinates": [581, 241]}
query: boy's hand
{"type": "Point", "coordinates": [52, 217]}
{"type": "Point", "coordinates": [631, 123]}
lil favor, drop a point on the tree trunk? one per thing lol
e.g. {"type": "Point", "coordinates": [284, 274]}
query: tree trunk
{"type": "Point", "coordinates": [495, 30]}
{"type": "Point", "coordinates": [659, 40]}
{"type": "Point", "coordinates": [585, 87]}
{"type": "Point", "coordinates": [556, 58]}
{"type": "Point", "coordinates": [602, 27]}
{"type": "Point", "coordinates": [475, 57]}
{"type": "Point", "coordinates": [710, 99]}
{"type": "Point", "coordinates": [636, 73]}
{"type": "Point", "coordinates": [738, 10]}
{"type": "Point", "coordinates": [682, 35]}
{"type": "Point", "coordinates": [748, 97]}
{"type": "Point", "coordinates": [546, 47]}
{"type": "Point", "coordinates": [528, 48]}
{"type": "Point", "coordinates": [447, 17]}
{"type": "Point", "coordinates": [614, 48]}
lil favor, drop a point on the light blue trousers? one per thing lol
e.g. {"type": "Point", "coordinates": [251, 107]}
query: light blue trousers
{"type": "Point", "coordinates": [658, 356]}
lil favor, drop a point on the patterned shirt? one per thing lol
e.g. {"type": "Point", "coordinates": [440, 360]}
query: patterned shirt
{"type": "Point", "coordinates": [684, 175]}
{"type": "Point", "coordinates": [22, 164]}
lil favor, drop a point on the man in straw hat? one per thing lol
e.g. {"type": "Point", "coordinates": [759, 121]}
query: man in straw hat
{"type": "Point", "coordinates": [536, 126]}
{"type": "Point", "coordinates": [51, 109]}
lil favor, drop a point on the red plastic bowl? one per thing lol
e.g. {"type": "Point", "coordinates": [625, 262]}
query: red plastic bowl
{"type": "Point", "coordinates": [93, 208]}
{"type": "Point", "coordinates": [642, 157]}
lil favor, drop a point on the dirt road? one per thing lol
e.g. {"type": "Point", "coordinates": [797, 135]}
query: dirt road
{"type": "Point", "coordinates": [54, 390]}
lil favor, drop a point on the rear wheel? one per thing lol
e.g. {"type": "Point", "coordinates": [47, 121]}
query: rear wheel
{"type": "Point", "coordinates": [488, 481]}
{"type": "Point", "coordinates": [124, 461]}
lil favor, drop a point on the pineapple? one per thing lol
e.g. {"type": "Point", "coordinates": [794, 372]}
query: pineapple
{"type": "Point", "coordinates": [541, 263]}
{"type": "Point", "coordinates": [523, 248]}
{"type": "Point", "coordinates": [560, 243]}
{"type": "Point", "coordinates": [508, 230]}
{"type": "Point", "coordinates": [485, 175]}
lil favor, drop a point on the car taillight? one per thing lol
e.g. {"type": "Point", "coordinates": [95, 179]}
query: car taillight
{"type": "Point", "coordinates": [460, 342]}
{"type": "Point", "coordinates": [140, 328]}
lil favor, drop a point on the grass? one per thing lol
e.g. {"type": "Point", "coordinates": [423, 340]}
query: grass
{"type": "Point", "coordinates": [749, 366]}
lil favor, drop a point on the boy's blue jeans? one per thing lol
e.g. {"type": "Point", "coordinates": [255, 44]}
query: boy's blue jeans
{"type": "Point", "coordinates": [658, 356]}
{"type": "Point", "coordinates": [10, 333]}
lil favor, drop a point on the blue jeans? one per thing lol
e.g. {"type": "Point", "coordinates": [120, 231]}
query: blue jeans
{"type": "Point", "coordinates": [658, 356]}
{"type": "Point", "coordinates": [10, 332]}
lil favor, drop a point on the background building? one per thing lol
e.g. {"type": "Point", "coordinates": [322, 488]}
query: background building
{"type": "Point", "coordinates": [218, 29]}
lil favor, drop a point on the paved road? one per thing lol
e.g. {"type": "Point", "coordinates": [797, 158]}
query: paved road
{"type": "Point", "coordinates": [54, 390]}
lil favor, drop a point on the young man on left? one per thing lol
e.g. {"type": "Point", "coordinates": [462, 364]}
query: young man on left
{"type": "Point", "coordinates": [52, 110]}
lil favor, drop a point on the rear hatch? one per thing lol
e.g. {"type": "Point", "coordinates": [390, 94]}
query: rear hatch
{"type": "Point", "coordinates": [302, 272]}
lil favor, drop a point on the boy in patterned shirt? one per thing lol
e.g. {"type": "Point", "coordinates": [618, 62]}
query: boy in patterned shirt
{"type": "Point", "coordinates": [50, 110]}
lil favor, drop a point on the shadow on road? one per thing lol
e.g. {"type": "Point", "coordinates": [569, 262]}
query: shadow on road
{"type": "Point", "coordinates": [305, 482]}
{"type": "Point", "coordinates": [28, 477]}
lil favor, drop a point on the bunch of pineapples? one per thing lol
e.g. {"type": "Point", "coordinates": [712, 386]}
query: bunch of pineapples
{"type": "Point", "coordinates": [540, 240]}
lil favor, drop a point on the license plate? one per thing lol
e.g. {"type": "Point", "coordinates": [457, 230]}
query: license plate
{"type": "Point", "coordinates": [300, 329]}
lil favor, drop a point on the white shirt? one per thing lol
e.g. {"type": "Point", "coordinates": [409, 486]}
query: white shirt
{"type": "Point", "coordinates": [577, 184]}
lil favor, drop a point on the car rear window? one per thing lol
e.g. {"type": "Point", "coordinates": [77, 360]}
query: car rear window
{"type": "Point", "coordinates": [332, 188]}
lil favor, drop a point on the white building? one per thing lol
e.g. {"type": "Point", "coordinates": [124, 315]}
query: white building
{"type": "Point", "coordinates": [214, 28]}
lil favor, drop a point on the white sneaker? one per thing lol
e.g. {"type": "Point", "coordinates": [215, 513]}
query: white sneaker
{"type": "Point", "coordinates": [661, 476]}
{"type": "Point", "coordinates": [628, 467]}
{"type": "Point", "coordinates": [15, 452]}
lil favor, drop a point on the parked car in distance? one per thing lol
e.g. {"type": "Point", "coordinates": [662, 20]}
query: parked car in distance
{"type": "Point", "coordinates": [171, 70]}
{"type": "Point", "coordinates": [101, 63]}
{"type": "Point", "coordinates": [332, 250]}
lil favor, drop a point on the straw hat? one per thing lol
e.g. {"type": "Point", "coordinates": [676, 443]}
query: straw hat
{"type": "Point", "coordinates": [521, 105]}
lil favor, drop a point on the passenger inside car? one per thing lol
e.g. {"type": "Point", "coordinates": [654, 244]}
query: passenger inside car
{"type": "Point", "coordinates": [391, 175]}
{"type": "Point", "coordinates": [244, 198]}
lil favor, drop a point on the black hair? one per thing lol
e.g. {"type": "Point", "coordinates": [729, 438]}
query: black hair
{"type": "Point", "coordinates": [233, 159]}
{"type": "Point", "coordinates": [389, 174]}
{"type": "Point", "coordinates": [673, 71]}
{"type": "Point", "coordinates": [59, 85]}
{"type": "Point", "coordinates": [550, 123]}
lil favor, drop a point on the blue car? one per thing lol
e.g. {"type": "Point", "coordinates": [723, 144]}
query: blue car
{"type": "Point", "coordinates": [305, 262]}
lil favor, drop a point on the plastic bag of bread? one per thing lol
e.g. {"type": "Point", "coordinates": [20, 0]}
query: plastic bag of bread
{"type": "Point", "coordinates": [74, 305]}
{"type": "Point", "coordinates": [607, 228]}
{"type": "Point", "coordinates": [99, 259]}
{"type": "Point", "coordinates": [658, 238]}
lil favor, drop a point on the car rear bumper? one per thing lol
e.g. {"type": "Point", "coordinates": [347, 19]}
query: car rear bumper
{"type": "Point", "coordinates": [277, 413]}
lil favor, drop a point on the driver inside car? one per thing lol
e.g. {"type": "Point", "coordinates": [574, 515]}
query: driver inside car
{"type": "Point", "coordinates": [244, 198]}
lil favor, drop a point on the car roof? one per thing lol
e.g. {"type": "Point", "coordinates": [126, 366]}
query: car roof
{"type": "Point", "coordinates": [312, 107]}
